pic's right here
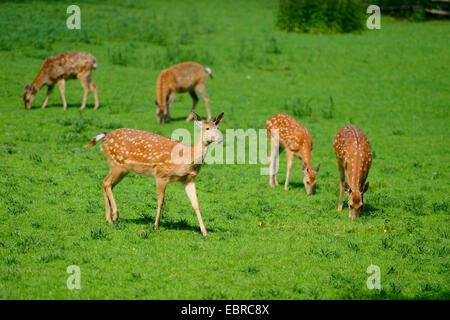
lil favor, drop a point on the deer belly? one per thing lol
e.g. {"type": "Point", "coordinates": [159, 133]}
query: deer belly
{"type": "Point", "coordinates": [142, 168]}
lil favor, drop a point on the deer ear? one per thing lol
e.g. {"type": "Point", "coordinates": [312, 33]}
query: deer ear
{"type": "Point", "coordinates": [366, 187]}
{"type": "Point", "coordinates": [27, 86]}
{"type": "Point", "coordinates": [217, 120]}
{"type": "Point", "coordinates": [317, 168]}
{"type": "Point", "coordinates": [156, 103]}
{"type": "Point", "coordinates": [304, 168]}
{"type": "Point", "coordinates": [347, 188]}
{"type": "Point", "coordinates": [196, 117]}
{"type": "Point", "coordinates": [33, 89]}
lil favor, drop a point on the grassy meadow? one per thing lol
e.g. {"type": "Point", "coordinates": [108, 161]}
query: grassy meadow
{"type": "Point", "coordinates": [263, 243]}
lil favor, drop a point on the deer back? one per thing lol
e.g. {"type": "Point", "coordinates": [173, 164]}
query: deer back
{"type": "Point", "coordinates": [291, 133]}
{"type": "Point", "coordinates": [187, 75]}
{"type": "Point", "coordinates": [66, 66]}
{"type": "Point", "coordinates": [352, 148]}
{"type": "Point", "coordinates": [146, 153]}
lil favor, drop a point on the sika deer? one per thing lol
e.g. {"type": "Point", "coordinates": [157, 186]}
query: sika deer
{"type": "Point", "coordinates": [354, 158]}
{"type": "Point", "coordinates": [184, 77]}
{"type": "Point", "coordinates": [59, 68]}
{"type": "Point", "coordinates": [157, 156]}
{"type": "Point", "coordinates": [286, 132]}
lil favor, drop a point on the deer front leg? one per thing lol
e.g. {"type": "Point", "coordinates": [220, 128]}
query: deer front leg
{"type": "Point", "coordinates": [273, 161]}
{"type": "Point", "coordinates": [341, 184]}
{"type": "Point", "coordinates": [290, 158]}
{"type": "Point", "coordinates": [85, 83]}
{"type": "Point", "coordinates": [161, 190]}
{"type": "Point", "coordinates": [93, 87]}
{"type": "Point", "coordinates": [170, 100]}
{"type": "Point", "coordinates": [341, 192]}
{"type": "Point", "coordinates": [200, 89]}
{"type": "Point", "coordinates": [62, 87]}
{"type": "Point", "coordinates": [194, 104]}
{"type": "Point", "coordinates": [49, 90]}
{"type": "Point", "coordinates": [192, 194]}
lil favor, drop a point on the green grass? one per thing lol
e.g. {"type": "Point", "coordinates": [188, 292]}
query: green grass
{"type": "Point", "coordinates": [264, 243]}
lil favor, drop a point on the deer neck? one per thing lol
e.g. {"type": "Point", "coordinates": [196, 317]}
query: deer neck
{"type": "Point", "coordinates": [199, 150]}
{"type": "Point", "coordinates": [39, 82]}
{"type": "Point", "coordinates": [306, 158]}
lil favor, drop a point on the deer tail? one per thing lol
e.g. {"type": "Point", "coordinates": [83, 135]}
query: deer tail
{"type": "Point", "coordinates": [96, 139]}
{"type": "Point", "coordinates": [208, 71]}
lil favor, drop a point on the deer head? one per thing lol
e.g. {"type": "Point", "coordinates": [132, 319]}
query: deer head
{"type": "Point", "coordinates": [210, 129]}
{"type": "Point", "coordinates": [28, 95]}
{"type": "Point", "coordinates": [309, 180]}
{"type": "Point", "coordinates": [355, 200]}
{"type": "Point", "coordinates": [162, 112]}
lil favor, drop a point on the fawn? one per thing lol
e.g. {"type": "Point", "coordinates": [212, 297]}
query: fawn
{"type": "Point", "coordinates": [354, 158]}
{"type": "Point", "coordinates": [286, 132]}
{"type": "Point", "coordinates": [183, 77]}
{"type": "Point", "coordinates": [59, 68]}
{"type": "Point", "coordinates": [153, 155]}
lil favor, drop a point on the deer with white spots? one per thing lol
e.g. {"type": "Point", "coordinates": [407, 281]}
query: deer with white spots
{"type": "Point", "coordinates": [354, 158]}
{"type": "Point", "coordinates": [153, 155]}
{"type": "Point", "coordinates": [287, 133]}
{"type": "Point", "coordinates": [58, 69]}
{"type": "Point", "coordinates": [183, 77]}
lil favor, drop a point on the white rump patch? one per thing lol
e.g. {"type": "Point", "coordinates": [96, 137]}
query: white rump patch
{"type": "Point", "coordinates": [99, 137]}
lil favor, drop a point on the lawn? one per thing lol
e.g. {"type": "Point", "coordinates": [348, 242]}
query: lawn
{"type": "Point", "coordinates": [263, 243]}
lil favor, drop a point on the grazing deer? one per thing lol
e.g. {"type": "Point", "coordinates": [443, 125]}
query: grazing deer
{"type": "Point", "coordinates": [59, 68]}
{"type": "Point", "coordinates": [286, 132]}
{"type": "Point", "coordinates": [157, 156]}
{"type": "Point", "coordinates": [183, 77]}
{"type": "Point", "coordinates": [354, 158]}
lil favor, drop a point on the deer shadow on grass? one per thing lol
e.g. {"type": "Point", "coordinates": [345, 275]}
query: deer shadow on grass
{"type": "Point", "coordinates": [294, 185]}
{"type": "Point", "coordinates": [369, 210]}
{"type": "Point", "coordinates": [176, 119]}
{"type": "Point", "coordinates": [167, 224]}
{"type": "Point", "coordinates": [59, 105]}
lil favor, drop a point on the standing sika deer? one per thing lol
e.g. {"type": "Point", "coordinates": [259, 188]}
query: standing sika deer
{"type": "Point", "coordinates": [354, 158]}
{"type": "Point", "coordinates": [184, 77]}
{"type": "Point", "coordinates": [57, 69]}
{"type": "Point", "coordinates": [157, 156]}
{"type": "Point", "coordinates": [286, 132]}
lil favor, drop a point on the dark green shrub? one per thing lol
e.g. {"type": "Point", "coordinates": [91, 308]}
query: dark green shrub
{"type": "Point", "coordinates": [328, 111]}
{"type": "Point", "coordinates": [118, 57]}
{"type": "Point", "coordinates": [327, 16]}
{"type": "Point", "coordinates": [298, 108]}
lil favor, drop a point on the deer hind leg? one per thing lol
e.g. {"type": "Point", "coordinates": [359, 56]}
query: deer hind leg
{"type": "Point", "coordinates": [161, 190]}
{"type": "Point", "coordinates": [341, 183]}
{"type": "Point", "coordinates": [290, 158]}
{"type": "Point", "coordinates": [194, 104]}
{"type": "Point", "coordinates": [192, 194]}
{"type": "Point", "coordinates": [62, 88]}
{"type": "Point", "coordinates": [200, 89]}
{"type": "Point", "coordinates": [273, 161]}
{"type": "Point", "coordinates": [115, 175]}
{"type": "Point", "coordinates": [49, 90]}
